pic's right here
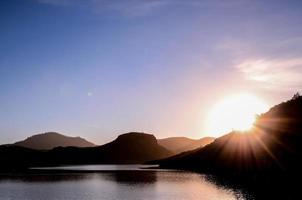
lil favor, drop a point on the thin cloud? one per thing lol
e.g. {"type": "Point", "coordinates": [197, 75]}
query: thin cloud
{"type": "Point", "coordinates": [130, 8]}
{"type": "Point", "coordinates": [274, 65]}
{"type": "Point", "coordinates": [57, 2]}
{"type": "Point", "coordinates": [274, 73]}
{"type": "Point", "coordinates": [134, 8]}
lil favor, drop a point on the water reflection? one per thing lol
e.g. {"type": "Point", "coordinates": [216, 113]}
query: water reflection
{"type": "Point", "coordinates": [277, 187]}
{"type": "Point", "coordinates": [44, 177]}
{"type": "Point", "coordinates": [131, 177]}
{"type": "Point", "coordinates": [113, 185]}
{"type": "Point", "coordinates": [127, 177]}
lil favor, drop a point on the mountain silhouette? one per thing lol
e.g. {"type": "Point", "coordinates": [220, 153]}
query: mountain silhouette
{"type": "Point", "coordinates": [50, 140]}
{"type": "Point", "coordinates": [267, 160]}
{"type": "Point", "coordinates": [272, 147]}
{"type": "Point", "coordinates": [134, 148]}
{"type": "Point", "coordinates": [181, 144]}
{"type": "Point", "coordinates": [129, 148]}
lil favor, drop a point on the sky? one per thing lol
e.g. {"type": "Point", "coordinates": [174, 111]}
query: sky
{"type": "Point", "coordinates": [99, 68]}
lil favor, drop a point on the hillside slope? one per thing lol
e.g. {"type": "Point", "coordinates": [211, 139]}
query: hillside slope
{"type": "Point", "coordinates": [273, 146]}
{"type": "Point", "coordinates": [129, 148]}
{"type": "Point", "coordinates": [181, 144]}
{"type": "Point", "coordinates": [50, 140]}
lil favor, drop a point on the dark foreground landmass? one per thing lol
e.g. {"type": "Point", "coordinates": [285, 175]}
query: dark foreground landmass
{"type": "Point", "coordinates": [266, 160]}
{"type": "Point", "coordinates": [130, 148]}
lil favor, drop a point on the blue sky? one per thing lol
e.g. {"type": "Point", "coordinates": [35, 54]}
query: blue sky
{"type": "Point", "coordinates": [98, 68]}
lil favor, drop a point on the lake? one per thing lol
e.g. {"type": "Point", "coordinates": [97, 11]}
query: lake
{"type": "Point", "coordinates": [112, 182]}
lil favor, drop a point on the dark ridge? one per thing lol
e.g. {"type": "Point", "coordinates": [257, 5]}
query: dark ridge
{"type": "Point", "coordinates": [130, 148]}
{"type": "Point", "coordinates": [267, 159]}
{"type": "Point", "coordinates": [50, 140]}
{"type": "Point", "coordinates": [182, 144]}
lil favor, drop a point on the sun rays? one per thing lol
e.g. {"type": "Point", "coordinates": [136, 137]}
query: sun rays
{"type": "Point", "coordinates": [235, 112]}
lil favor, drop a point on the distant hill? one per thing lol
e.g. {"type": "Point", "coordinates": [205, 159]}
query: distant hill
{"type": "Point", "coordinates": [272, 149]}
{"type": "Point", "coordinates": [181, 144]}
{"type": "Point", "coordinates": [134, 148]}
{"type": "Point", "coordinates": [129, 148]}
{"type": "Point", "coordinates": [50, 140]}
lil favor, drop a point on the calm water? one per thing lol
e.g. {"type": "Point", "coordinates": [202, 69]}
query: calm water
{"type": "Point", "coordinates": [113, 182]}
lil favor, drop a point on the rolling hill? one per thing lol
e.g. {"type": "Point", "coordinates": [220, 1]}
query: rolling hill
{"type": "Point", "coordinates": [50, 140]}
{"type": "Point", "coordinates": [129, 148]}
{"type": "Point", "coordinates": [181, 144]}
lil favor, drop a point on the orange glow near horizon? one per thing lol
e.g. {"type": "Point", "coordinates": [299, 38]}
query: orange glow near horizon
{"type": "Point", "coordinates": [235, 112]}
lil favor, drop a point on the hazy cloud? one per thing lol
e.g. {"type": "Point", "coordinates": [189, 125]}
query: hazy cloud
{"type": "Point", "coordinates": [130, 8]}
{"type": "Point", "coordinates": [133, 8]}
{"type": "Point", "coordinates": [274, 65]}
{"type": "Point", "coordinates": [57, 2]}
{"type": "Point", "coordinates": [274, 73]}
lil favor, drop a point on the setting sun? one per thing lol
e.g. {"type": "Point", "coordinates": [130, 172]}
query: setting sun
{"type": "Point", "coordinates": [234, 113]}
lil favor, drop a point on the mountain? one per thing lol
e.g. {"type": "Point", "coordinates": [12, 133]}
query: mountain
{"type": "Point", "coordinates": [266, 161]}
{"type": "Point", "coordinates": [135, 148]}
{"type": "Point", "coordinates": [50, 140]}
{"type": "Point", "coordinates": [273, 146]}
{"type": "Point", "coordinates": [181, 144]}
{"type": "Point", "coordinates": [129, 148]}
